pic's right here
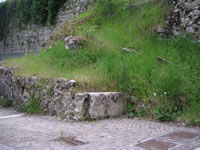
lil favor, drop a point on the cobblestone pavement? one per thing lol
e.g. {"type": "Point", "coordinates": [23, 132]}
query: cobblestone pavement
{"type": "Point", "coordinates": [24, 132]}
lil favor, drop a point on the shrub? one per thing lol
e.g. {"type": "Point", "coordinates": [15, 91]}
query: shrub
{"type": "Point", "coordinates": [163, 113]}
{"type": "Point", "coordinates": [40, 12]}
{"type": "Point", "coordinates": [53, 8]}
{"type": "Point", "coordinates": [5, 102]}
{"type": "Point", "coordinates": [32, 107]}
{"type": "Point", "coordinates": [24, 8]}
{"type": "Point", "coordinates": [108, 7]}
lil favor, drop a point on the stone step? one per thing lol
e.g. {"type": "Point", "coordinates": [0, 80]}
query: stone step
{"type": "Point", "coordinates": [99, 105]}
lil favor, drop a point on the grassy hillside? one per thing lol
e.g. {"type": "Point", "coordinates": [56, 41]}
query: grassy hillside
{"type": "Point", "coordinates": [163, 91]}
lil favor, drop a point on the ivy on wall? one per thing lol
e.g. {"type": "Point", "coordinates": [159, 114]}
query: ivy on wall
{"type": "Point", "coordinates": [40, 12]}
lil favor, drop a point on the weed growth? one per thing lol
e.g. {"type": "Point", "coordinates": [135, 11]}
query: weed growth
{"type": "Point", "coordinates": [32, 107]}
{"type": "Point", "coordinates": [5, 102]}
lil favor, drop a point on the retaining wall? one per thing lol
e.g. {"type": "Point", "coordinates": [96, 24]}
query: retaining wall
{"type": "Point", "coordinates": [55, 96]}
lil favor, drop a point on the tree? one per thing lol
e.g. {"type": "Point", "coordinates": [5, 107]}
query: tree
{"type": "Point", "coordinates": [40, 11]}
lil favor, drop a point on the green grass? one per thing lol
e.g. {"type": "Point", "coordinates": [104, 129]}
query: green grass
{"type": "Point", "coordinates": [171, 89]}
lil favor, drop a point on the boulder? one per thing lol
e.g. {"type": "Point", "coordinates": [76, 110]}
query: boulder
{"type": "Point", "coordinates": [162, 31]}
{"type": "Point", "coordinates": [73, 42]}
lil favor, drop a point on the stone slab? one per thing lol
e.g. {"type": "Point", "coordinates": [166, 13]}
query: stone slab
{"type": "Point", "coordinates": [106, 104]}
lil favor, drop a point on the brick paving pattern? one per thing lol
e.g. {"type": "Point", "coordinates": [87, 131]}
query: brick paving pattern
{"type": "Point", "coordinates": [40, 133]}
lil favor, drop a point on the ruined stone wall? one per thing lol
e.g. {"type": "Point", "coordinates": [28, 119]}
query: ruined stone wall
{"type": "Point", "coordinates": [55, 96]}
{"type": "Point", "coordinates": [33, 37]}
{"type": "Point", "coordinates": [185, 17]}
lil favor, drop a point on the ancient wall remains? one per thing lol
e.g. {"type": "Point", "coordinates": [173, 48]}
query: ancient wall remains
{"type": "Point", "coordinates": [185, 18]}
{"type": "Point", "coordinates": [56, 99]}
{"type": "Point", "coordinates": [33, 37]}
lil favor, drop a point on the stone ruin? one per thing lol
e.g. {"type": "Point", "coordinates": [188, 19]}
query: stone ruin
{"type": "Point", "coordinates": [56, 98]}
{"type": "Point", "coordinates": [185, 18]}
{"type": "Point", "coordinates": [33, 37]}
{"type": "Point", "coordinates": [73, 42]}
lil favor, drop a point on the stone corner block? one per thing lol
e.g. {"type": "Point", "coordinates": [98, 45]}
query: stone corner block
{"type": "Point", "coordinates": [106, 104]}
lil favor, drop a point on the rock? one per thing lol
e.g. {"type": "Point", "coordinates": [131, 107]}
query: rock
{"type": "Point", "coordinates": [196, 12]}
{"type": "Point", "coordinates": [189, 30]}
{"type": "Point", "coordinates": [176, 31]}
{"type": "Point", "coordinates": [133, 100]}
{"type": "Point", "coordinates": [162, 60]}
{"type": "Point", "coordinates": [25, 97]}
{"type": "Point", "coordinates": [128, 50]}
{"type": "Point", "coordinates": [95, 106]}
{"type": "Point", "coordinates": [71, 83]}
{"type": "Point", "coordinates": [162, 31]}
{"type": "Point", "coordinates": [81, 103]}
{"type": "Point", "coordinates": [74, 42]}
{"type": "Point", "coordinates": [104, 105]}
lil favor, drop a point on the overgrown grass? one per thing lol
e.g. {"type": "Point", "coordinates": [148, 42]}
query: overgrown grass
{"type": "Point", "coordinates": [102, 64]}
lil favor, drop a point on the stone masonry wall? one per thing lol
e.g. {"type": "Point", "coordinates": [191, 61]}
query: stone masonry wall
{"type": "Point", "coordinates": [34, 37]}
{"type": "Point", "coordinates": [56, 98]}
{"type": "Point", "coordinates": [185, 17]}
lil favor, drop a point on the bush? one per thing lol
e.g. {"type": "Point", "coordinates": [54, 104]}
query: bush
{"type": "Point", "coordinates": [108, 7]}
{"type": "Point", "coordinates": [5, 102]}
{"type": "Point", "coordinates": [32, 107]}
{"type": "Point", "coordinates": [53, 8]}
{"type": "Point", "coordinates": [40, 12]}
{"type": "Point", "coordinates": [164, 113]}
{"type": "Point", "coordinates": [24, 8]}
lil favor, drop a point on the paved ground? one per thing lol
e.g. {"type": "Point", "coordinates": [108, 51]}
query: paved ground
{"type": "Point", "coordinates": [24, 132]}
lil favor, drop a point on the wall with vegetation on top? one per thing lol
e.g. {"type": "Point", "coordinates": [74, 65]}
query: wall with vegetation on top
{"type": "Point", "coordinates": [55, 97]}
{"type": "Point", "coordinates": [27, 26]}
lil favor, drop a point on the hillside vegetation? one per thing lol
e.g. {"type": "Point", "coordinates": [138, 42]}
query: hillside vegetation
{"type": "Point", "coordinates": [158, 90]}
